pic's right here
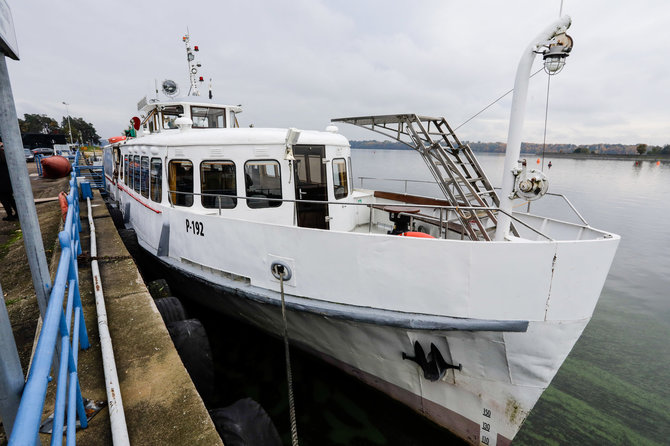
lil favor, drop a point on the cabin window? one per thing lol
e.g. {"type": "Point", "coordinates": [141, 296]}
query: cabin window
{"type": "Point", "coordinates": [156, 177]}
{"type": "Point", "coordinates": [340, 180]}
{"type": "Point", "coordinates": [125, 169]}
{"type": "Point", "coordinates": [263, 181]}
{"type": "Point", "coordinates": [218, 178]}
{"type": "Point", "coordinates": [153, 122]}
{"type": "Point", "coordinates": [233, 119]}
{"type": "Point", "coordinates": [136, 173]}
{"type": "Point", "coordinates": [180, 182]}
{"type": "Point", "coordinates": [170, 114]}
{"type": "Point", "coordinates": [208, 117]}
{"type": "Point", "coordinates": [144, 177]}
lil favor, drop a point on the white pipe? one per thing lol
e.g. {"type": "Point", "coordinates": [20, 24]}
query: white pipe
{"type": "Point", "coordinates": [513, 150]}
{"type": "Point", "coordinates": [116, 415]}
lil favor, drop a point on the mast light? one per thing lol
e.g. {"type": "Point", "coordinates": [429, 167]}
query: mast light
{"type": "Point", "coordinates": [556, 52]}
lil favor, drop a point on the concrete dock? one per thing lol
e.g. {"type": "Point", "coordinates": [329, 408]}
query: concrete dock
{"type": "Point", "coordinates": [161, 403]}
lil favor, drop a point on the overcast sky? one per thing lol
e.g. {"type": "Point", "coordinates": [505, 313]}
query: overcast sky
{"type": "Point", "coordinates": [300, 63]}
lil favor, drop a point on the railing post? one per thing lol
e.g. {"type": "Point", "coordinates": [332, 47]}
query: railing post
{"type": "Point", "coordinates": [370, 223]}
{"type": "Point", "coordinates": [11, 374]}
{"type": "Point", "coordinates": [74, 277]}
{"type": "Point", "coordinates": [23, 193]}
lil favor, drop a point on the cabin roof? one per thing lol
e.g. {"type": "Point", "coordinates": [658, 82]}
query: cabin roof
{"type": "Point", "coordinates": [202, 101]}
{"type": "Point", "coordinates": [236, 136]}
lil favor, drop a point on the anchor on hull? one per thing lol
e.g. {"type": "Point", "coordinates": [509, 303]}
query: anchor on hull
{"type": "Point", "coordinates": [433, 365]}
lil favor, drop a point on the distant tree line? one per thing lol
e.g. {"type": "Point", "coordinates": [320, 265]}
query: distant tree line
{"type": "Point", "coordinates": [499, 147]}
{"type": "Point", "coordinates": [82, 131]}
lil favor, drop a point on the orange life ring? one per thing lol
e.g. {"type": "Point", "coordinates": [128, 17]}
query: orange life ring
{"type": "Point", "coordinates": [416, 234]}
{"type": "Point", "coordinates": [115, 139]}
{"type": "Point", "coordinates": [62, 199]}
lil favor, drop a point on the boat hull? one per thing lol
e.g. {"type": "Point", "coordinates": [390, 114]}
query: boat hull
{"type": "Point", "coordinates": [506, 313]}
{"type": "Point", "coordinates": [485, 402]}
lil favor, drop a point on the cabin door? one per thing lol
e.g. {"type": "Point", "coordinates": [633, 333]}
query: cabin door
{"type": "Point", "coordinates": [311, 185]}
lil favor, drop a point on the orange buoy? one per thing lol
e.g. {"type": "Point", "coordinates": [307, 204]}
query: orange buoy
{"type": "Point", "coordinates": [416, 234]}
{"type": "Point", "coordinates": [62, 200]}
{"type": "Point", "coordinates": [56, 167]}
{"type": "Point", "coordinates": [114, 139]}
{"type": "Point", "coordinates": [658, 163]}
{"type": "Point", "coordinates": [538, 161]}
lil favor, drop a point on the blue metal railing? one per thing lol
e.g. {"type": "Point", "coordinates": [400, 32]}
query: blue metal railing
{"type": "Point", "coordinates": [95, 175]}
{"type": "Point", "coordinates": [38, 164]}
{"type": "Point", "coordinates": [56, 327]}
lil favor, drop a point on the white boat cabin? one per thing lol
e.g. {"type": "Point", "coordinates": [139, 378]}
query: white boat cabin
{"type": "Point", "coordinates": [193, 155]}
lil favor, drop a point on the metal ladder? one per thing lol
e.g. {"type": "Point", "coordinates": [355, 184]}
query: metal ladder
{"type": "Point", "coordinates": [453, 165]}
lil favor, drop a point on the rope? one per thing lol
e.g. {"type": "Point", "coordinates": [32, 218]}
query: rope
{"type": "Point", "coordinates": [546, 113]}
{"type": "Point", "coordinates": [484, 109]}
{"type": "Point", "coordinates": [546, 106]}
{"type": "Point", "coordinates": [289, 376]}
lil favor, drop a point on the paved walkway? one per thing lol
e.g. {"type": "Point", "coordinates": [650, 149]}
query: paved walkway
{"type": "Point", "coordinates": [161, 403]}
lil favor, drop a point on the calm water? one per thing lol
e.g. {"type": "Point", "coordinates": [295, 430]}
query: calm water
{"type": "Point", "coordinates": [614, 388]}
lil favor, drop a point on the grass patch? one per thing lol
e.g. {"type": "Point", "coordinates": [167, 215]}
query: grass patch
{"type": "Point", "coordinates": [13, 238]}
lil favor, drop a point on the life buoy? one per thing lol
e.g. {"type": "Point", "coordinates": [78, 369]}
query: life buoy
{"type": "Point", "coordinates": [416, 234]}
{"type": "Point", "coordinates": [115, 139]}
{"type": "Point", "coordinates": [62, 199]}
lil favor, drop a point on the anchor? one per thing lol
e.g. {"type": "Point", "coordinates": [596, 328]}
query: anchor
{"type": "Point", "coordinates": [434, 366]}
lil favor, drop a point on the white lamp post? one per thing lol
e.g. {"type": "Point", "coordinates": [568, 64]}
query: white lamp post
{"type": "Point", "coordinates": [67, 109]}
{"type": "Point", "coordinates": [557, 47]}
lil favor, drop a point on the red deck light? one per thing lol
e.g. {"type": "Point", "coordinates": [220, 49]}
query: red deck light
{"type": "Point", "coordinates": [195, 48]}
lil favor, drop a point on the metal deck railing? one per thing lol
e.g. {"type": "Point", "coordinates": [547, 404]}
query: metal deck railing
{"type": "Point", "coordinates": [446, 214]}
{"type": "Point", "coordinates": [66, 329]}
{"type": "Point", "coordinates": [95, 175]}
{"type": "Point", "coordinates": [528, 203]}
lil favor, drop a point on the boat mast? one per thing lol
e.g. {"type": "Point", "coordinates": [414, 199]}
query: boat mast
{"type": "Point", "coordinates": [192, 66]}
{"type": "Point", "coordinates": [513, 150]}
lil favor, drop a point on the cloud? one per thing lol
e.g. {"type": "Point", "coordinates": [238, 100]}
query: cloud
{"type": "Point", "coordinates": [300, 63]}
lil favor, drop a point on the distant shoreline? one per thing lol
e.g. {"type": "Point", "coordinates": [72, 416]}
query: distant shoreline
{"type": "Point", "coordinates": [605, 156]}
{"type": "Point", "coordinates": [593, 151]}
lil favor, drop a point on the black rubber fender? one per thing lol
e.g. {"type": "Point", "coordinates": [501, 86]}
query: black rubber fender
{"type": "Point", "coordinates": [159, 288]}
{"type": "Point", "coordinates": [117, 216]}
{"type": "Point", "coordinates": [190, 340]}
{"type": "Point", "coordinates": [171, 309]}
{"type": "Point", "coordinates": [245, 423]}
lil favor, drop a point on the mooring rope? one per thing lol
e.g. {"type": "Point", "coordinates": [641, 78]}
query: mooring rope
{"type": "Point", "coordinates": [546, 114]}
{"type": "Point", "coordinates": [291, 403]}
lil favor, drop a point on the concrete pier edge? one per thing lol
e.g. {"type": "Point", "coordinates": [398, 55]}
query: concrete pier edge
{"type": "Point", "coordinates": [160, 401]}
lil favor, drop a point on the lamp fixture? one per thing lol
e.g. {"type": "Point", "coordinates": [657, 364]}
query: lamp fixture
{"type": "Point", "coordinates": [555, 53]}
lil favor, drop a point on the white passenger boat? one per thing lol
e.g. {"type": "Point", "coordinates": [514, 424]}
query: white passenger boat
{"type": "Point", "coordinates": [457, 306]}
